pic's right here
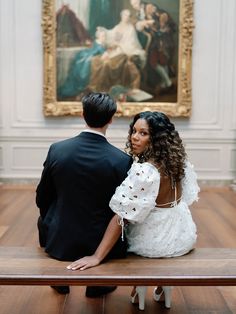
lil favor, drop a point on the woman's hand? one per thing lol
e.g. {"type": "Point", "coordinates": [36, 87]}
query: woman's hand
{"type": "Point", "coordinates": [84, 263]}
{"type": "Point", "coordinates": [105, 55]}
{"type": "Point", "coordinates": [110, 237]}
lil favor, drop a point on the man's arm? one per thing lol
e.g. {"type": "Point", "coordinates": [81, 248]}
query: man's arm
{"type": "Point", "coordinates": [110, 237]}
{"type": "Point", "coordinates": [45, 192]}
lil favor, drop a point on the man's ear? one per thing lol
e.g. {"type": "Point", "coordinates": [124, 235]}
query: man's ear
{"type": "Point", "coordinates": [110, 122]}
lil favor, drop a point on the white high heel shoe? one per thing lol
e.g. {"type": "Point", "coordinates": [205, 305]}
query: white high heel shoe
{"type": "Point", "coordinates": [167, 293]}
{"type": "Point", "coordinates": [140, 293]}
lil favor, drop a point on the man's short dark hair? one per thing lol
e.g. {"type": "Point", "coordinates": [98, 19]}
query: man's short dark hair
{"type": "Point", "coordinates": [98, 109]}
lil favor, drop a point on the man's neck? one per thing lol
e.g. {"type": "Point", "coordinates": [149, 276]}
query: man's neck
{"type": "Point", "coordinates": [100, 130]}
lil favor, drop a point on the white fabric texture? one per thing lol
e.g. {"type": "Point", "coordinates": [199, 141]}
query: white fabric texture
{"type": "Point", "coordinates": [154, 231]}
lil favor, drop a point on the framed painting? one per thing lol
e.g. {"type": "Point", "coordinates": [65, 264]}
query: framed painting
{"type": "Point", "coordinates": [140, 53]}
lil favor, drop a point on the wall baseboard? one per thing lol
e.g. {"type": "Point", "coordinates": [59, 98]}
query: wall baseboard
{"type": "Point", "coordinates": [202, 183]}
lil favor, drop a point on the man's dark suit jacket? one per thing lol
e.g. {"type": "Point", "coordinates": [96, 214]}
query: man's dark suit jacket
{"type": "Point", "coordinates": [79, 178]}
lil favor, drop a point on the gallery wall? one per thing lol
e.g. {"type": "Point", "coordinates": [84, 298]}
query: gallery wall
{"type": "Point", "coordinates": [209, 134]}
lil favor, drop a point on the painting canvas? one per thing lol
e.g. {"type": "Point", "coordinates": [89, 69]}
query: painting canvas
{"type": "Point", "coordinates": [139, 53]}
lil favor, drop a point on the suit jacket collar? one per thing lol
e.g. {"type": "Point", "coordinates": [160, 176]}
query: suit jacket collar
{"type": "Point", "coordinates": [92, 136]}
{"type": "Point", "coordinates": [94, 132]}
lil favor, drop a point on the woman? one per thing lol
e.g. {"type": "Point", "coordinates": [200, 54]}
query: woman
{"type": "Point", "coordinates": [124, 60]}
{"type": "Point", "coordinates": [80, 68]}
{"type": "Point", "coordinates": [154, 197]}
{"type": "Point", "coordinates": [124, 38]}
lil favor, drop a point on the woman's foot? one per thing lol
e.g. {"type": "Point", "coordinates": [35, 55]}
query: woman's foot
{"type": "Point", "coordinates": [134, 295]}
{"type": "Point", "coordinates": [158, 294]}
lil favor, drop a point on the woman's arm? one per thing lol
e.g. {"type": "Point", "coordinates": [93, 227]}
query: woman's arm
{"type": "Point", "coordinates": [110, 237]}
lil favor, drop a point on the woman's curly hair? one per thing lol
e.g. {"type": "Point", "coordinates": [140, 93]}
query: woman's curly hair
{"type": "Point", "coordinates": [165, 148]}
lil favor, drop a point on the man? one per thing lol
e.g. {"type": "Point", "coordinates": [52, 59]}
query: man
{"type": "Point", "coordinates": [156, 31]}
{"type": "Point", "coordinates": [79, 178]}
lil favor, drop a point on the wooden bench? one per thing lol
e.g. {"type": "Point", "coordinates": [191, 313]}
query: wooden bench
{"type": "Point", "coordinates": [201, 267]}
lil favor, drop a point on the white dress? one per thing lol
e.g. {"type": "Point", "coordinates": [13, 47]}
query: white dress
{"type": "Point", "coordinates": [124, 37]}
{"type": "Point", "coordinates": [154, 231]}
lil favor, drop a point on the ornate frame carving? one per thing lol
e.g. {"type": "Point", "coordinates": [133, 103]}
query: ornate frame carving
{"type": "Point", "coordinates": [181, 108]}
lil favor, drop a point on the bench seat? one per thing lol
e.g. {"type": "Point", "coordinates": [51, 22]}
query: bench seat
{"type": "Point", "coordinates": [201, 267]}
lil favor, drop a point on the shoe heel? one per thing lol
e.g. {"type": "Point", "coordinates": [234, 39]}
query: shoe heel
{"type": "Point", "coordinates": [167, 293]}
{"type": "Point", "coordinates": [140, 292]}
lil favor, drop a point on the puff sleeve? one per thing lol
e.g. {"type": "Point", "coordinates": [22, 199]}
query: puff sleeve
{"type": "Point", "coordinates": [189, 185]}
{"type": "Point", "coordinates": [136, 196]}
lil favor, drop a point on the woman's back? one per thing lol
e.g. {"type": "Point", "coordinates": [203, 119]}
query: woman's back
{"type": "Point", "coordinates": [168, 192]}
{"type": "Point", "coordinates": [156, 231]}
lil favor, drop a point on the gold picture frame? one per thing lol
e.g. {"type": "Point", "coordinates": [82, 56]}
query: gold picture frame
{"type": "Point", "coordinates": [180, 107]}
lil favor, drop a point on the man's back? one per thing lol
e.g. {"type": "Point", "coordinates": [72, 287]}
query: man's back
{"type": "Point", "coordinates": [80, 176]}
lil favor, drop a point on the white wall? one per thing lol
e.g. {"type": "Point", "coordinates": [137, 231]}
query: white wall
{"type": "Point", "coordinates": [209, 134]}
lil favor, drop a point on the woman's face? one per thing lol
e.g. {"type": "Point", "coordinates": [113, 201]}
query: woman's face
{"type": "Point", "coordinates": [135, 4]}
{"type": "Point", "coordinates": [125, 16]}
{"type": "Point", "coordinates": [102, 37]}
{"type": "Point", "coordinates": [140, 137]}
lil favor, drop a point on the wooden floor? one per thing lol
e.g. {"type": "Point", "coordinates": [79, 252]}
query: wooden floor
{"type": "Point", "coordinates": [214, 214]}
